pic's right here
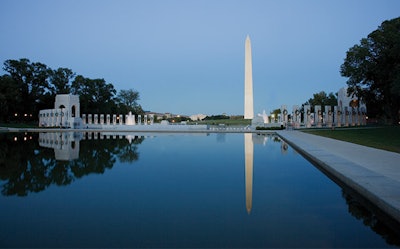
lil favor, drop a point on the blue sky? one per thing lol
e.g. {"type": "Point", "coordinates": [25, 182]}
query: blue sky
{"type": "Point", "coordinates": [187, 56]}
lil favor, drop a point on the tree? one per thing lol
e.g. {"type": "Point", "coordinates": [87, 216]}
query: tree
{"type": "Point", "coordinates": [322, 99]}
{"type": "Point", "coordinates": [60, 80]}
{"type": "Point", "coordinates": [276, 112]}
{"type": "Point", "coordinates": [96, 96]}
{"type": "Point", "coordinates": [10, 98]}
{"type": "Point", "coordinates": [373, 69]}
{"type": "Point", "coordinates": [32, 86]}
{"type": "Point", "coordinates": [32, 82]}
{"type": "Point", "coordinates": [127, 100]}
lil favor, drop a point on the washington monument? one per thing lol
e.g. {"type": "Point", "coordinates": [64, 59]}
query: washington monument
{"type": "Point", "coordinates": [248, 81]}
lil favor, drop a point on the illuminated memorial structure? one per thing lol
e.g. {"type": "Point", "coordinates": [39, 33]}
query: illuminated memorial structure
{"type": "Point", "coordinates": [66, 113]}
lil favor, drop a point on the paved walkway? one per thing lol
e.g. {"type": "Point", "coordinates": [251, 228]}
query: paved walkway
{"type": "Point", "coordinates": [371, 172]}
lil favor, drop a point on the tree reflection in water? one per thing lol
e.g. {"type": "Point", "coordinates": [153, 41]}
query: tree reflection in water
{"type": "Point", "coordinates": [372, 218]}
{"type": "Point", "coordinates": [27, 167]}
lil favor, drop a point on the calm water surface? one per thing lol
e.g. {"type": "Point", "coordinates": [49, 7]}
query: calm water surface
{"type": "Point", "coordinates": [164, 190]}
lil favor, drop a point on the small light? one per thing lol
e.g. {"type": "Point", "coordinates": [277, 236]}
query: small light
{"type": "Point", "coordinates": [15, 138]}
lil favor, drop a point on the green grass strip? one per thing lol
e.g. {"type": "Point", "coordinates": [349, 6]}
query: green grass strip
{"type": "Point", "coordinates": [385, 137]}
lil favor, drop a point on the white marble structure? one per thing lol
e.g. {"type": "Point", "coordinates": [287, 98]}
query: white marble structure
{"type": "Point", "coordinates": [346, 114]}
{"type": "Point", "coordinates": [337, 116]}
{"type": "Point", "coordinates": [66, 113]}
{"type": "Point", "coordinates": [130, 119]}
{"type": "Point", "coordinates": [284, 114]}
{"type": "Point", "coordinates": [108, 119]}
{"type": "Point", "coordinates": [151, 119]}
{"type": "Point", "coordinates": [307, 116]}
{"type": "Point", "coordinates": [258, 121]}
{"type": "Point", "coordinates": [318, 115]}
{"type": "Point", "coordinates": [356, 108]}
{"type": "Point", "coordinates": [264, 116]}
{"type": "Point", "coordinates": [248, 82]}
{"type": "Point", "coordinates": [296, 119]}
{"type": "Point", "coordinates": [328, 120]}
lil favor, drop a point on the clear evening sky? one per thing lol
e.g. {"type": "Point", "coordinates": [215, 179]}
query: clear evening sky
{"type": "Point", "coordinates": [187, 56]}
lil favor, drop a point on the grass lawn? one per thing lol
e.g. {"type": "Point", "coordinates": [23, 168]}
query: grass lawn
{"type": "Point", "coordinates": [384, 137]}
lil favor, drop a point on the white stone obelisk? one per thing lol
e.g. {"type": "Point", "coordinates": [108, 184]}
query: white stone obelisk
{"type": "Point", "coordinates": [248, 81]}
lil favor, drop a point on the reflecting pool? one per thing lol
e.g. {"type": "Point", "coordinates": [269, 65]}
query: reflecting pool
{"type": "Point", "coordinates": [173, 190]}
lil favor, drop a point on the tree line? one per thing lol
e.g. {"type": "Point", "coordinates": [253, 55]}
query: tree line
{"type": "Point", "coordinates": [373, 71]}
{"type": "Point", "coordinates": [29, 87]}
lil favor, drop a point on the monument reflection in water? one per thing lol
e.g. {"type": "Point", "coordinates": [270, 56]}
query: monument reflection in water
{"type": "Point", "coordinates": [249, 154]}
{"type": "Point", "coordinates": [165, 190]}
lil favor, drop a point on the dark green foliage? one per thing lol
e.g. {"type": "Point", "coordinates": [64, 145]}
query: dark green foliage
{"type": "Point", "coordinates": [322, 99]}
{"type": "Point", "coordinates": [96, 96]}
{"type": "Point", "coordinates": [61, 80]}
{"type": "Point", "coordinates": [25, 167]}
{"type": "Point", "coordinates": [178, 119]}
{"type": "Point", "coordinates": [373, 69]}
{"type": "Point", "coordinates": [216, 117]}
{"type": "Point", "coordinates": [31, 82]}
{"type": "Point", "coordinates": [259, 128]}
{"type": "Point", "coordinates": [32, 86]}
{"type": "Point", "coordinates": [127, 101]}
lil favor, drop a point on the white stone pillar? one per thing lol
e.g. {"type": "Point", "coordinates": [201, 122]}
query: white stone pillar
{"type": "Point", "coordinates": [307, 116]}
{"type": "Point", "coordinates": [346, 116]}
{"type": "Point", "coordinates": [121, 119]}
{"type": "Point", "coordinates": [145, 119]}
{"type": "Point", "coordinates": [328, 116]}
{"type": "Point", "coordinates": [101, 119]}
{"type": "Point", "coordinates": [114, 117]}
{"type": "Point", "coordinates": [84, 118]}
{"type": "Point", "coordinates": [65, 118]}
{"type": "Point", "coordinates": [151, 119]}
{"type": "Point", "coordinates": [139, 119]}
{"type": "Point", "coordinates": [318, 115]}
{"type": "Point", "coordinates": [89, 118]}
{"type": "Point", "coordinates": [353, 116]}
{"type": "Point", "coordinates": [284, 114]}
{"type": "Point", "coordinates": [96, 119]}
{"type": "Point", "coordinates": [108, 119]}
{"type": "Point", "coordinates": [296, 116]}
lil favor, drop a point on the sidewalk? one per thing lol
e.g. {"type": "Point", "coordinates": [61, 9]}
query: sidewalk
{"type": "Point", "coordinates": [373, 173]}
